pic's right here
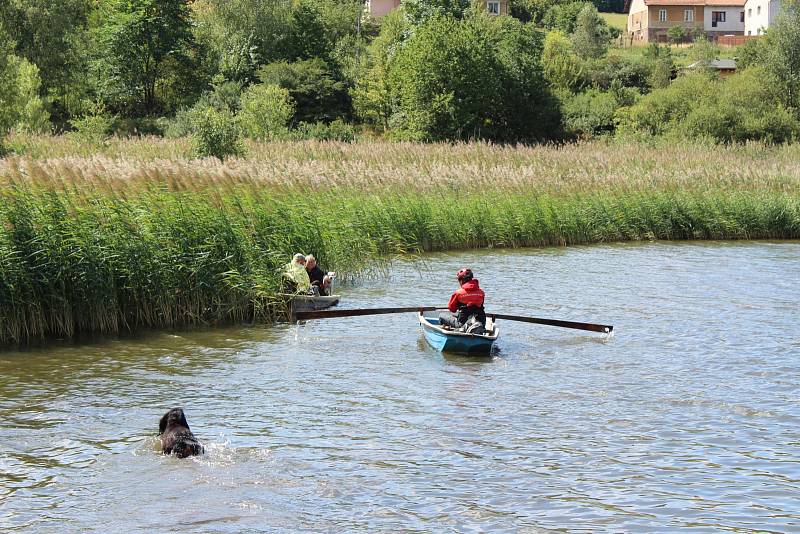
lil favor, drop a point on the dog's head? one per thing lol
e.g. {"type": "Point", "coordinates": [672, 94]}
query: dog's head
{"type": "Point", "coordinates": [174, 417]}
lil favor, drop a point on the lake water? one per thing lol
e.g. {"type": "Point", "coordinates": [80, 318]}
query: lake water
{"type": "Point", "coordinates": [688, 417]}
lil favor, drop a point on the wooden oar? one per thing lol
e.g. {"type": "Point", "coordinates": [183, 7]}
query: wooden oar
{"type": "Point", "coordinates": [329, 314]}
{"type": "Point", "coordinates": [604, 328]}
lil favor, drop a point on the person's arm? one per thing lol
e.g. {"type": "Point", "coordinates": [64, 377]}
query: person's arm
{"type": "Point", "coordinates": [453, 304]}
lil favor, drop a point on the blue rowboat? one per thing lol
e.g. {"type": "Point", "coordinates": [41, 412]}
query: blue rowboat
{"type": "Point", "coordinates": [455, 341]}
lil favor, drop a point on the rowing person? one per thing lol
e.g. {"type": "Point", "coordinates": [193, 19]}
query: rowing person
{"type": "Point", "coordinates": [465, 303]}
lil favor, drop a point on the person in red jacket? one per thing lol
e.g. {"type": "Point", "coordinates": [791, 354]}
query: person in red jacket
{"type": "Point", "coordinates": [466, 302]}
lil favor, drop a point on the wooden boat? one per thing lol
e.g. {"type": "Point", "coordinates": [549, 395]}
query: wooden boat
{"type": "Point", "coordinates": [312, 303]}
{"type": "Point", "coordinates": [454, 341]}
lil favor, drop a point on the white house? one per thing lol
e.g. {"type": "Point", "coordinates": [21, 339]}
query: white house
{"type": "Point", "coordinates": [723, 17]}
{"type": "Point", "coordinates": [760, 15]}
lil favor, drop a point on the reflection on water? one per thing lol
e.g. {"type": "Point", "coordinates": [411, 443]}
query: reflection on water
{"type": "Point", "coordinates": [687, 417]}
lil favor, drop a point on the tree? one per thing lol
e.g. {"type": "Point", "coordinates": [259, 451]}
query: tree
{"type": "Point", "coordinates": [676, 34]}
{"type": "Point", "coordinates": [308, 33]}
{"type": "Point", "coordinates": [783, 58]}
{"type": "Point", "coordinates": [590, 38]}
{"type": "Point", "coordinates": [20, 105]}
{"type": "Point", "coordinates": [313, 87]}
{"type": "Point", "coordinates": [142, 45]}
{"type": "Point", "coordinates": [216, 134]}
{"type": "Point", "coordinates": [372, 99]}
{"type": "Point", "coordinates": [242, 35]}
{"type": "Point", "coordinates": [418, 12]}
{"type": "Point", "coordinates": [562, 68]}
{"type": "Point", "coordinates": [266, 111]}
{"type": "Point", "coordinates": [475, 78]}
{"type": "Point", "coordinates": [52, 36]}
{"type": "Point", "coordinates": [564, 16]}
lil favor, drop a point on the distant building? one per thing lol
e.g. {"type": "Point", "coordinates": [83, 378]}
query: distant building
{"type": "Point", "coordinates": [379, 8]}
{"type": "Point", "coordinates": [725, 67]}
{"type": "Point", "coordinates": [760, 15]}
{"type": "Point", "coordinates": [649, 20]}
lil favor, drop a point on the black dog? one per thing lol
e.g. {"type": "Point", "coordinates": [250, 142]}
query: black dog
{"type": "Point", "coordinates": [176, 438]}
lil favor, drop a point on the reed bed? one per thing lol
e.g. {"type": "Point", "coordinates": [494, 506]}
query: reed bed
{"type": "Point", "coordinates": [140, 236]}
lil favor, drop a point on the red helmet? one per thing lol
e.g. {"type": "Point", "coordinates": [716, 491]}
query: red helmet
{"type": "Point", "coordinates": [464, 275]}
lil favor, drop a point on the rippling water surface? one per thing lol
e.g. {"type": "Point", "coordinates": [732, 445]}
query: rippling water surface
{"type": "Point", "coordinates": [688, 417]}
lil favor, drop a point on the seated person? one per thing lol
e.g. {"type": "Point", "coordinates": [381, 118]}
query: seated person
{"type": "Point", "coordinates": [296, 276]}
{"type": "Point", "coordinates": [320, 282]}
{"type": "Point", "coordinates": [467, 301]}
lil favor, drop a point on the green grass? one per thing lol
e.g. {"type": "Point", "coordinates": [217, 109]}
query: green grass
{"type": "Point", "coordinates": [147, 238]}
{"type": "Point", "coordinates": [616, 20]}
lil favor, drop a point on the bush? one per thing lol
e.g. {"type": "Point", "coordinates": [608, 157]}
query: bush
{"type": "Point", "coordinates": [318, 95]}
{"type": "Point", "coordinates": [564, 16]}
{"type": "Point", "coordinates": [95, 126]}
{"type": "Point", "coordinates": [590, 38]}
{"type": "Point", "coordinates": [737, 109]}
{"type": "Point", "coordinates": [266, 111]}
{"type": "Point", "coordinates": [561, 67]}
{"type": "Point", "coordinates": [605, 72]}
{"type": "Point", "coordinates": [589, 114]}
{"type": "Point", "coordinates": [337, 130]}
{"type": "Point", "coordinates": [216, 134]}
{"type": "Point", "coordinates": [676, 34]}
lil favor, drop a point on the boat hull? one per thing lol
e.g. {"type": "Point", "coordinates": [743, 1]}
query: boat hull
{"type": "Point", "coordinates": [304, 303]}
{"type": "Point", "coordinates": [457, 342]}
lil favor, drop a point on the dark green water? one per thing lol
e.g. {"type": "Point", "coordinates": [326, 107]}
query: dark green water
{"type": "Point", "coordinates": [687, 417]}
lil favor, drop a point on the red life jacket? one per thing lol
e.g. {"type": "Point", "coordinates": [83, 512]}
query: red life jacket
{"type": "Point", "coordinates": [469, 294]}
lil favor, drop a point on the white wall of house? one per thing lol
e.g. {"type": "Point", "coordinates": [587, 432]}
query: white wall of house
{"type": "Point", "coordinates": [760, 15]}
{"type": "Point", "coordinates": [636, 7]}
{"type": "Point", "coordinates": [733, 19]}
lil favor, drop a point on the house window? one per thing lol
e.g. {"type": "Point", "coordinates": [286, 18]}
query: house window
{"type": "Point", "coordinates": [662, 15]}
{"type": "Point", "coordinates": [750, 12]}
{"type": "Point", "coordinates": [758, 10]}
{"type": "Point", "coordinates": [493, 8]}
{"type": "Point", "coordinates": [717, 17]}
{"type": "Point", "coordinates": [741, 16]}
{"type": "Point", "coordinates": [688, 15]}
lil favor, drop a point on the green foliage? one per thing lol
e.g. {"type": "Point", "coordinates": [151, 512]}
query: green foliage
{"type": "Point", "coordinates": [590, 38]}
{"type": "Point", "coordinates": [143, 47]}
{"type": "Point", "coordinates": [590, 113]}
{"type": "Point", "coordinates": [216, 134]}
{"type": "Point", "coordinates": [562, 68]}
{"type": "Point", "coordinates": [372, 100]}
{"type": "Point", "coordinates": [736, 109]}
{"type": "Point", "coordinates": [241, 35]}
{"type": "Point", "coordinates": [530, 10]}
{"type": "Point", "coordinates": [309, 38]}
{"type": "Point", "coordinates": [337, 130]}
{"type": "Point", "coordinates": [614, 69]}
{"type": "Point", "coordinates": [783, 58]}
{"type": "Point", "coordinates": [94, 127]}
{"type": "Point", "coordinates": [318, 95]}
{"type": "Point", "coordinates": [564, 16]}
{"type": "Point", "coordinates": [479, 77]}
{"type": "Point", "coordinates": [662, 73]}
{"type": "Point", "coordinates": [703, 51]}
{"type": "Point", "coordinates": [753, 53]}
{"type": "Point", "coordinates": [676, 34]}
{"type": "Point", "coordinates": [418, 12]}
{"type": "Point", "coordinates": [52, 36]}
{"type": "Point", "coordinates": [21, 107]}
{"type": "Point", "coordinates": [266, 111]}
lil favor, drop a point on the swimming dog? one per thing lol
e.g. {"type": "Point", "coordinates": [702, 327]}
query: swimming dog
{"type": "Point", "coordinates": [176, 437]}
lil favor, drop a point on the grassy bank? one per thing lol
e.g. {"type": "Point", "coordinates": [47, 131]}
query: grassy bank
{"type": "Point", "coordinates": [135, 235]}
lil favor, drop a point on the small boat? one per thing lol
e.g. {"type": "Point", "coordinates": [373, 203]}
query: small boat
{"type": "Point", "coordinates": [302, 303]}
{"type": "Point", "coordinates": [446, 340]}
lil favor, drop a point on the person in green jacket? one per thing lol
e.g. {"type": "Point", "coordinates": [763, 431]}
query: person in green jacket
{"type": "Point", "coordinates": [296, 275]}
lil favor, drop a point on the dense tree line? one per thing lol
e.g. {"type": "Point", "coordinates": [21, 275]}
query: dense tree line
{"type": "Point", "coordinates": [431, 70]}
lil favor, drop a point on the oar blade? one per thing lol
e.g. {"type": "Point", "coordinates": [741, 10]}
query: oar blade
{"type": "Point", "coordinates": [331, 314]}
{"type": "Point", "coordinates": [602, 328]}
